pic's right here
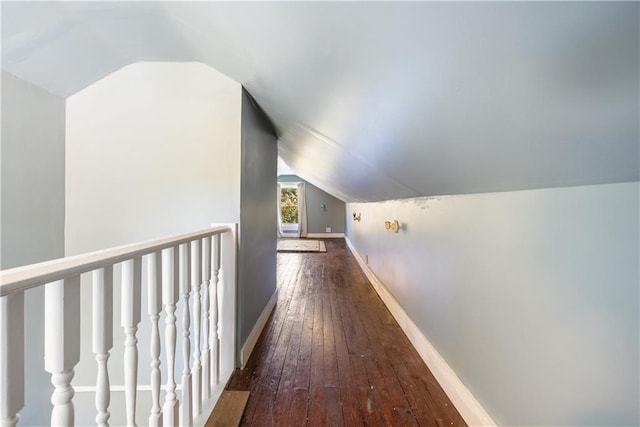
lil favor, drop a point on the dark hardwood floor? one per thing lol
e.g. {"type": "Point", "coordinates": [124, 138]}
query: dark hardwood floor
{"type": "Point", "coordinates": [332, 354]}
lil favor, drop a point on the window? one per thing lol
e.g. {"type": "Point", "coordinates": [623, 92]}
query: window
{"type": "Point", "coordinates": [289, 205]}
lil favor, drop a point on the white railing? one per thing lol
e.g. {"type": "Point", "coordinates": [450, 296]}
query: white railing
{"type": "Point", "coordinates": [199, 265]}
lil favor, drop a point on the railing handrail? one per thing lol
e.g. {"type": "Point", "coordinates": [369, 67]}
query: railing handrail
{"type": "Point", "coordinates": [23, 278]}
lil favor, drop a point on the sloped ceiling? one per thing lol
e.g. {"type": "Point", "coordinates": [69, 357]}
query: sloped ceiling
{"type": "Point", "coordinates": [376, 101]}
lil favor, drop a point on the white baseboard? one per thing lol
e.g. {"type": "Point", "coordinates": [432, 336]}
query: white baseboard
{"type": "Point", "coordinates": [325, 235]}
{"type": "Point", "coordinates": [464, 401]}
{"type": "Point", "coordinates": [252, 339]}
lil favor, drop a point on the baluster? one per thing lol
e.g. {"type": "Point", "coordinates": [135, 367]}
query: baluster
{"type": "Point", "coordinates": [11, 358]}
{"type": "Point", "coordinates": [102, 338]}
{"type": "Point", "coordinates": [154, 306]}
{"type": "Point", "coordinates": [220, 298]}
{"type": "Point", "coordinates": [62, 344]}
{"type": "Point", "coordinates": [131, 311]}
{"type": "Point", "coordinates": [206, 273]}
{"type": "Point", "coordinates": [213, 308]}
{"type": "Point", "coordinates": [186, 414]}
{"type": "Point", "coordinates": [195, 283]}
{"type": "Point", "coordinates": [169, 298]}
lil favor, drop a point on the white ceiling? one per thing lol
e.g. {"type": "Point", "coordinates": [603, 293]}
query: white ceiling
{"type": "Point", "coordinates": [375, 101]}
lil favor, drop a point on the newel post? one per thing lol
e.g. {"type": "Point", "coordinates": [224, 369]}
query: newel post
{"type": "Point", "coordinates": [214, 308]}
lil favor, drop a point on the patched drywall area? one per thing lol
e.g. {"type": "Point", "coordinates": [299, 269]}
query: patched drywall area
{"type": "Point", "coordinates": [530, 296]}
{"type": "Point", "coordinates": [32, 229]}
{"type": "Point", "coordinates": [324, 211]}
{"type": "Point", "coordinates": [257, 233]}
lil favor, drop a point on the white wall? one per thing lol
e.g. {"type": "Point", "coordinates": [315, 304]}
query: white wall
{"type": "Point", "coordinates": [530, 296]}
{"type": "Point", "coordinates": [152, 150]}
{"type": "Point", "coordinates": [32, 225]}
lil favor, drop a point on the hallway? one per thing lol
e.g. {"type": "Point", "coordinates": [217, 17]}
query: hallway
{"type": "Point", "coordinates": [332, 354]}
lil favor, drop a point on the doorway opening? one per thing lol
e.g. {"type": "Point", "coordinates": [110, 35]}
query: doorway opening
{"type": "Point", "coordinates": [289, 210]}
{"type": "Point", "coordinates": [292, 210]}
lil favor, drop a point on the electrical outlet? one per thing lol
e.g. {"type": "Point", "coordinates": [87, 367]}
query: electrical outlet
{"type": "Point", "coordinates": [327, 230]}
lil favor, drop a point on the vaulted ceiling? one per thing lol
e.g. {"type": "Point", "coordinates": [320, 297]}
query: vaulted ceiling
{"type": "Point", "coordinates": [373, 100]}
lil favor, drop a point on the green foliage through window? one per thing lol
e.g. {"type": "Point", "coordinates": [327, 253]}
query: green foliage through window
{"type": "Point", "coordinates": [289, 205]}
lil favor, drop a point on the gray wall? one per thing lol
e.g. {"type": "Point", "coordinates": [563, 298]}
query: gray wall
{"type": "Point", "coordinates": [32, 173]}
{"type": "Point", "coordinates": [257, 233]}
{"type": "Point", "coordinates": [317, 219]}
{"type": "Point", "coordinates": [530, 296]}
{"type": "Point", "coordinates": [32, 225]}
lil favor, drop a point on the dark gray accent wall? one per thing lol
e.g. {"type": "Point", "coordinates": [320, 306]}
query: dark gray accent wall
{"type": "Point", "coordinates": [257, 231]}
{"type": "Point", "coordinates": [317, 219]}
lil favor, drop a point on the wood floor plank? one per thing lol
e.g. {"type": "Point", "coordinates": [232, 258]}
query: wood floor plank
{"type": "Point", "coordinates": [285, 388]}
{"type": "Point", "coordinates": [346, 379]}
{"type": "Point", "coordinates": [395, 404]}
{"type": "Point", "coordinates": [317, 414]}
{"type": "Point", "coordinates": [303, 366]}
{"type": "Point", "coordinates": [332, 354]}
{"type": "Point", "coordinates": [263, 412]}
{"type": "Point", "coordinates": [329, 346]}
{"type": "Point", "coordinates": [262, 386]}
{"type": "Point", "coordinates": [298, 408]}
{"type": "Point", "coordinates": [229, 409]}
